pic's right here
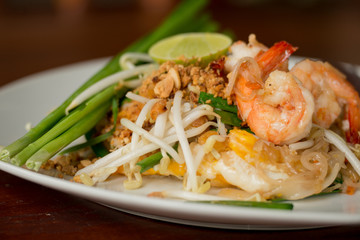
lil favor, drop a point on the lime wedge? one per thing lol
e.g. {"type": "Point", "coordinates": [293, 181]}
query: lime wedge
{"type": "Point", "coordinates": [190, 47]}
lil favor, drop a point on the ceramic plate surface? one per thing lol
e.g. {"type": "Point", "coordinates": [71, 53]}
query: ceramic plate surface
{"type": "Point", "coordinates": [31, 98]}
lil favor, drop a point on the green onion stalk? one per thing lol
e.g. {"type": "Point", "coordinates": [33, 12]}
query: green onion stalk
{"type": "Point", "coordinates": [152, 160]}
{"type": "Point", "coordinates": [50, 131]}
{"type": "Point", "coordinates": [91, 142]}
{"type": "Point", "coordinates": [273, 205]}
{"type": "Point", "coordinates": [66, 123]}
{"type": "Point", "coordinates": [77, 130]}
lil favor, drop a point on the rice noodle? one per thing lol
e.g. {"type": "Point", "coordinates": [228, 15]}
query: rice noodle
{"type": "Point", "coordinates": [332, 176]}
{"type": "Point", "coordinates": [315, 162]}
{"type": "Point", "coordinates": [342, 146]}
{"type": "Point", "coordinates": [301, 145]}
{"type": "Point", "coordinates": [309, 170]}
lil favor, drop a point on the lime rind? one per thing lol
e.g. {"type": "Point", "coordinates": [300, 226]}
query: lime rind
{"type": "Point", "coordinates": [191, 47]}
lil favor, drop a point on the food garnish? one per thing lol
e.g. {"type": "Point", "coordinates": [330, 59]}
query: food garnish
{"type": "Point", "coordinates": [191, 47]}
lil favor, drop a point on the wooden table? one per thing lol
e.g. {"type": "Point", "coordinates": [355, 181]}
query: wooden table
{"type": "Point", "coordinates": [53, 33]}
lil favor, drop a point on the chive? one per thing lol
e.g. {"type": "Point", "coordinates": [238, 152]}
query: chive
{"type": "Point", "coordinates": [67, 122]}
{"type": "Point", "coordinates": [77, 130]}
{"type": "Point", "coordinates": [103, 137]}
{"type": "Point", "coordinates": [149, 162]}
{"type": "Point", "coordinates": [326, 193]}
{"type": "Point", "coordinates": [228, 113]}
{"type": "Point", "coordinates": [216, 102]}
{"type": "Point", "coordinates": [229, 118]}
{"type": "Point", "coordinates": [152, 160]}
{"type": "Point", "coordinates": [311, 196]}
{"type": "Point", "coordinates": [177, 22]}
{"type": "Point", "coordinates": [99, 149]}
{"type": "Point", "coordinates": [273, 205]}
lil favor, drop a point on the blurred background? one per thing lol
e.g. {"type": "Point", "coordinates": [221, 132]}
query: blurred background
{"type": "Point", "coordinates": [36, 35]}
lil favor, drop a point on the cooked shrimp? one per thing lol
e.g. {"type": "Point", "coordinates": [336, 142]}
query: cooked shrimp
{"type": "Point", "coordinates": [240, 49]}
{"type": "Point", "coordinates": [278, 110]}
{"type": "Point", "coordinates": [268, 60]}
{"type": "Point", "coordinates": [331, 91]}
{"type": "Point", "coordinates": [282, 114]}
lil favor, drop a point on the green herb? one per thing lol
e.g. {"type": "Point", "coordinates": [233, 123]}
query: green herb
{"type": "Point", "coordinates": [228, 113]}
{"type": "Point", "coordinates": [326, 193]}
{"type": "Point", "coordinates": [216, 102]}
{"type": "Point", "coordinates": [273, 205]}
{"type": "Point", "coordinates": [229, 118]}
{"type": "Point", "coordinates": [99, 149]}
{"type": "Point", "coordinates": [152, 160]}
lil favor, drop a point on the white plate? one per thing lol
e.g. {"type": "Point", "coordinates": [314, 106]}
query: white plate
{"type": "Point", "coordinates": [29, 99]}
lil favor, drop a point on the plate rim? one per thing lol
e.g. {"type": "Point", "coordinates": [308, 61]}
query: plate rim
{"type": "Point", "coordinates": [262, 217]}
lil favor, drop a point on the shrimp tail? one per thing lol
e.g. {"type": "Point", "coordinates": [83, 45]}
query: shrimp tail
{"type": "Point", "coordinates": [274, 57]}
{"type": "Point", "coordinates": [353, 116]}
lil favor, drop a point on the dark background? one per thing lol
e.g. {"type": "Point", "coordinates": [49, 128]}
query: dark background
{"type": "Point", "coordinates": [42, 34]}
{"type": "Point", "coordinates": [39, 35]}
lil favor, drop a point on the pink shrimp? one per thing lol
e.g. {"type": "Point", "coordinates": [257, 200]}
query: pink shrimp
{"type": "Point", "coordinates": [279, 109]}
{"type": "Point", "coordinates": [332, 92]}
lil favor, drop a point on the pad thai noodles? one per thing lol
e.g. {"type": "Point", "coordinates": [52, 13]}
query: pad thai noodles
{"type": "Point", "coordinates": [245, 124]}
